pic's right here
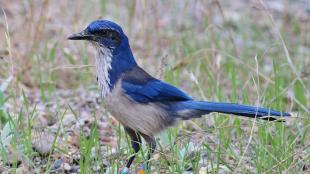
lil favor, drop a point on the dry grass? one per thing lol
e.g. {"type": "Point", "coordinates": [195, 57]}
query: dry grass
{"type": "Point", "coordinates": [256, 53]}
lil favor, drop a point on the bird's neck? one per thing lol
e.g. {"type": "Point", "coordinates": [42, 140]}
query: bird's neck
{"type": "Point", "coordinates": [111, 65]}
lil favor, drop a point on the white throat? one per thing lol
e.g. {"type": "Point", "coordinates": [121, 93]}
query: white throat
{"type": "Point", "coordinates": [103, 63]}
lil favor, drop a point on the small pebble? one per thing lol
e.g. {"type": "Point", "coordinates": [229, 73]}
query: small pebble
{"type": "Point", "coordinates": [57, 164]}
{"type": "Point", "coordinates": [67, 167]}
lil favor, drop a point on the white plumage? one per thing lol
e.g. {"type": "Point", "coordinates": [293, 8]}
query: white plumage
{"type": "Point", "coordinates": [103, 63]}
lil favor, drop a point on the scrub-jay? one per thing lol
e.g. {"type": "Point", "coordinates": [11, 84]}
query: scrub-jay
{"type": "Point", "coordinates": [143, 104]}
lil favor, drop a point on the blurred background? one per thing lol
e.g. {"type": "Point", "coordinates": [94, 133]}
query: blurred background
{"type": "Point", "coordinates": [253, 52]}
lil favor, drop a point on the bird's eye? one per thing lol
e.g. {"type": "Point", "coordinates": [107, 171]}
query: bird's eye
{"type": "Point", "coordinates": [101, 32]}
{"type": "Point", "coordinates": [108, 34]}
{"type": "Point", "coordinates": [112, 36]}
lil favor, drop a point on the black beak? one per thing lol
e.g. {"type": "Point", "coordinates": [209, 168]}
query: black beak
{"type": "Point", "coordinates": [83, 35]}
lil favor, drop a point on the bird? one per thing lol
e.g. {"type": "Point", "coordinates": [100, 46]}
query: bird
{"type": "Point", "coordinates": [143, 104]}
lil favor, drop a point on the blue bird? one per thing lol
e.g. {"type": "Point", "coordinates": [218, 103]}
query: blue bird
{"type": "Point", "coordinates": [143, 104]}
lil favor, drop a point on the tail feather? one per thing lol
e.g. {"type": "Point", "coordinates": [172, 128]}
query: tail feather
{"type": "Point", "coordinates": [190, 109]}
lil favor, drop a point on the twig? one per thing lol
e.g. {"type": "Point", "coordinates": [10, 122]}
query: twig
{"type": "Point", "coordinates": [8, 42]}
{"type": "Point", "coordinates": [70, 67]}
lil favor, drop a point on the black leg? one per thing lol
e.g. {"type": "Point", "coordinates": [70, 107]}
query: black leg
{"type": "Point", "coordinates": [152, 146]}
{"type": "Point", "coordinates": [135, 144]}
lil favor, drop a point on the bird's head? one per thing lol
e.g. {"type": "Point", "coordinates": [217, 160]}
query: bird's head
{"type": "Point", "coordinates": [114, 55]}
{"type": "Point", "coordinates": [102, 33]}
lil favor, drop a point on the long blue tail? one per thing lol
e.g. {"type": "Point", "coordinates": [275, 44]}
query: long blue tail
{"type": "Point", "coordinates": [190, 109]}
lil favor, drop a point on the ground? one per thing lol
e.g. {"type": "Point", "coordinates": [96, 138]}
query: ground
{"type": "Point", "coordinates": [52, 119]}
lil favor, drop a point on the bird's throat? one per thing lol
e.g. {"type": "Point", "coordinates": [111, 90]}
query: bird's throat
{"type": "Point", "coordinates": [111, 64]}
{"type": "Point", "coordinates": [103, 63]}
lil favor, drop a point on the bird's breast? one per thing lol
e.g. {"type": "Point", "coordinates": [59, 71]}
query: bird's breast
{"type": "Point", "coordinates": [148, 118]}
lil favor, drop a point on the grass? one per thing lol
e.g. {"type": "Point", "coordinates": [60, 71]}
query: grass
{"type": "Point", "coordinates": [252, 55]}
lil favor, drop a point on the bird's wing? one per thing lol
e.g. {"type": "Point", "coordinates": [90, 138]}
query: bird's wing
{"type": "Point", "coordinates": [143, 88]}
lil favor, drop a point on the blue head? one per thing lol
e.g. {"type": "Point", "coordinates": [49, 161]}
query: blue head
{"type": "Point", "coordinates": [108, 36]}
{"type": "Point", "coordinates": [103, 33]}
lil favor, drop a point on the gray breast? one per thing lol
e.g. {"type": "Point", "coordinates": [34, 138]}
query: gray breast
{"type": "Point", "coordinates": [148, 118]}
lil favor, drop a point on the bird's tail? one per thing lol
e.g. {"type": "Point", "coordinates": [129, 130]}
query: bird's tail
{"type": "Point", "coordinates": [191, 109]}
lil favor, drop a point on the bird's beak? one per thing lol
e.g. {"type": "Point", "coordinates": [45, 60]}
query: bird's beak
{"type": "Point", "coordinates": [83, 35]}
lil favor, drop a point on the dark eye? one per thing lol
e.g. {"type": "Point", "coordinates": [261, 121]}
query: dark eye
{"type": "Point", "coordinates": [101, 32]}
{"type": "Point", "coordinates": [108, 34]}
{"type": "Point", "coordinates": [112, 35]}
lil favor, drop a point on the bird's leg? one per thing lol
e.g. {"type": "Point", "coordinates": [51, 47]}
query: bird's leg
{"type": "Point", "coordinates": [152, 146]}
{"type": "Point", "coordinates": [135, 144]}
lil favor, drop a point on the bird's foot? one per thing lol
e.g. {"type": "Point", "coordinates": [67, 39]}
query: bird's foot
{"type": "Point", "coordinates": [125, 170]}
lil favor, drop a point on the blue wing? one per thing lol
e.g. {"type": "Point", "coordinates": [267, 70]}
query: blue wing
{"type": "Point", "coordinates": [153, 91]}
{"type": "Point", "coordinates": [143, 88]}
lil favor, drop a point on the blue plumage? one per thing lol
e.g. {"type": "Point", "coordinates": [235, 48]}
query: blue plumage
{"type": "Point", "coordinates": [142, 88]}
{"type": "Point", "coordinates": [142, 103]}
{"type": "Point", "coordinates": [198, 108]}
{"type": "Point", "coordinates": [99, 25]}
{"type": "Point", "coordinates": [153, 91]}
